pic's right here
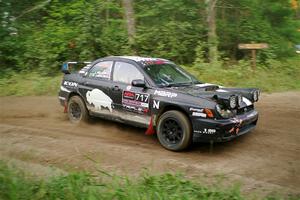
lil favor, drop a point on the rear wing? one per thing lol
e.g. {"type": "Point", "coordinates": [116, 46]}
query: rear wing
{"type": "Point", "coordinates": [67, 66]}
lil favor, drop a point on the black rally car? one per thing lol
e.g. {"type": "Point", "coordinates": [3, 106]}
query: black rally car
{"type": "Point", "coordinates": [158, 95]}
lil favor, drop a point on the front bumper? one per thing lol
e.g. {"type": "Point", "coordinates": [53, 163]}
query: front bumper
{"type": "Point", "coordinates": [206, 130]}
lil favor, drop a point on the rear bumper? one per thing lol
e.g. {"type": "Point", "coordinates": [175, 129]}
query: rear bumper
{"type": "Point", "coordinates": [206, 130]}
{"type": "Point", "coordinates": [62, 98]}
{"type": "Point", "coordinates": [62, 101]}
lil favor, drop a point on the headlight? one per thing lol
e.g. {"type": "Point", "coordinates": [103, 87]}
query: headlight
{"type": "Point", "coordinates": [225, 113]}
{"type": "Point", "coordinates": [232, 102]}
{"type": "Point", "coordinates": [255, 95]}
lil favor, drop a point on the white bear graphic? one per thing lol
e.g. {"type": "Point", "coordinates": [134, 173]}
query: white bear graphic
{"type": "Point", "coordinates": [98, 99]}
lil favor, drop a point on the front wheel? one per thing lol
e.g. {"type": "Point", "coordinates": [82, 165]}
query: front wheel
{"type": "Point", "coordinates": [174, 130]}
{"type": "Point", "coordinates": [77, 111]}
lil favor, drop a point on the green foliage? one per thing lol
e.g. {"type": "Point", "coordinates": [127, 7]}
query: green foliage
{"type": "Point", "coordinates": [40, 34]}
{"type": "Point", "coordinates": [169, 32]}
{"type": "Point", "coordinates": [273, 76]}
{"type": "Point", "coordinates": [259, 21]}
{"type": "Point", "coordinates": [73, 30]}
{"type": "Point", "coordinates": [15, 184]}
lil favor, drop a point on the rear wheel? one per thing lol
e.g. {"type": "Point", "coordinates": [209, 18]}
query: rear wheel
{"type": "Point", "coordinates": [174, 130]}
{"type": "Point", "coordinates": [77, 111]}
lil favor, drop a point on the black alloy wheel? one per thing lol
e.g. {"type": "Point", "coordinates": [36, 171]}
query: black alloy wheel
{"type": "Point", "coordinates": [77, 111]}
{"type": "Point", "coordinates": [174, 130]}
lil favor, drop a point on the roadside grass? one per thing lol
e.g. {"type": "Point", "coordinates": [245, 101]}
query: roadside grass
{"type": "Point", "coordinates": [16, 184]}
{"type": "Point", "coordinates": [275, 76]}
{"type": "Point", "coordinates": [29, 84]}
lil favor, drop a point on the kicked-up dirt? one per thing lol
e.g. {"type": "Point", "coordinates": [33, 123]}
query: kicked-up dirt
{"type": "Point", "coordinates": [35, 131]}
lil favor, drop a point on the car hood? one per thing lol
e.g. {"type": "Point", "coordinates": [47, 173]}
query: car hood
{"type": "Point", "coordinates": [205, 89]}
{"type": "Point", "coordinates": [213, 92]}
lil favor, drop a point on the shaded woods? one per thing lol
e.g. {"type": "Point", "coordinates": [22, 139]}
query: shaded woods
{"type": "Point", "coordinates": [203, 35]}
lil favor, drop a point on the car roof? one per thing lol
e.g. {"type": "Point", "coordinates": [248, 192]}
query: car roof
{"type": "Point", "coordinates": [141, 60]}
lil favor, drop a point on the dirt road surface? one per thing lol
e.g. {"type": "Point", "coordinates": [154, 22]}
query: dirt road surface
{"type": "Point", "coordinates": [35, 131]}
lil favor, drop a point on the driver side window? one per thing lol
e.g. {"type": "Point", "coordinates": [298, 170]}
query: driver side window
{"type": "Point", "coordinates": [126, 73]}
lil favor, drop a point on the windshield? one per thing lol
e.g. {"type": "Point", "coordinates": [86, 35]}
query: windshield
{"type": "Point", "coordinates": [167, 74]}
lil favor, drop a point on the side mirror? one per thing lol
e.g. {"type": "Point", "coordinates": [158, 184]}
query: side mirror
{"type": "Point", "coordinates": [65, 68]}
{"type": "Point", "coordinates": [138, 83]}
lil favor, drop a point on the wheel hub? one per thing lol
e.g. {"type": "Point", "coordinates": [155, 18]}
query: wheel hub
{"type": "Point", "coordinates": [172, 131]}
{"type": "Point", "coordinates": [75, 111]}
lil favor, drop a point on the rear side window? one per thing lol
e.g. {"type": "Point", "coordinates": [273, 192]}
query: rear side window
{"type": "Point", "coordinates": [101, 70]}
{"type": "Point", "coordinates": [126, 73]}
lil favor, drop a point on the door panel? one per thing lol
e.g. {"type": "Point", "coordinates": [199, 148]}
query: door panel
{"type": "Point", "coordinates": [96, 89]}
{"type": "Point", "coordinates": [131, 102]}
{"type": "Point", "coordinates": [97, 96]}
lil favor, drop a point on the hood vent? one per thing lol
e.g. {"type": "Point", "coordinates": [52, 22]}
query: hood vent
{"type": "Point", "coordinates": [211, 88]}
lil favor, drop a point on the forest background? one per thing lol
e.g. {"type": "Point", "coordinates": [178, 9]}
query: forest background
{"type": "Point", "coordinates": [201, 35]}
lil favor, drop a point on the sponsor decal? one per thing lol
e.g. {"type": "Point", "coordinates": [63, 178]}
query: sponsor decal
{"type": "Point", "coordinates": [70, 84]}
{"type": "Point", "coordinates": [144, 98]}
{"type": "Point", "coordinates": [104, 75]}
{"type": "Point", "coordinates": [208, 131]}
{"type": "Point", "coordinates": [196, 109]}
{"type": "Point", "coordinates": [156, 104]}
{"type": "Point", "coordinates": [84, 69]}
{"type": "Point", "coordinates": [152, 62]}
{"type": "Point", "coordinates": [198, 114]}
{"type": "Point", "coordinates": [129, 95]}
{"type": "Point", "coordinates": [136, 109]}
{"type": "Point", "coordinates": [165, 93]}
{"type": "Point", "coordinates": [103, 70]}
{"type": "Point", "coordinates": [136, 102]}
{"type": "Point", "coordinates": [99, 99]}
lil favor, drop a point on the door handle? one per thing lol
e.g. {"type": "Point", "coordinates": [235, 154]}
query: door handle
{"type": "Point", "coordinates": [85, 83]}
{"type": "Point", "coordinates": [116, 88]}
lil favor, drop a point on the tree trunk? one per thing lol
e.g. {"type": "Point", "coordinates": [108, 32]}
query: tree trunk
{"type": "Point", "coordinates": [211, 25]}
{"type": "Point", "coordinates": [130, 20]}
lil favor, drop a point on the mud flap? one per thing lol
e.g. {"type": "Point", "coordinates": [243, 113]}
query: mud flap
{"type": "Point", "coordinates": [65, 107]}
{"type": "Point", "coordinates": [150, 130]}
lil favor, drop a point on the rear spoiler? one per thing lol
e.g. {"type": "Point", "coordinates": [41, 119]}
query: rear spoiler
{"type": "Point", "coordinates": [67, 65]}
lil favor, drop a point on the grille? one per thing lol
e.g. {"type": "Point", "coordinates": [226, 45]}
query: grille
{"type": "Point", "coordinates": [243, 110]}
